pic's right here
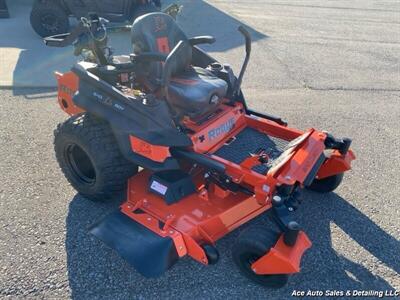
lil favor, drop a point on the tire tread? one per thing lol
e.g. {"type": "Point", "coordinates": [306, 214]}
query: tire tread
{"type": "Point", "coordinates": [98, 139]}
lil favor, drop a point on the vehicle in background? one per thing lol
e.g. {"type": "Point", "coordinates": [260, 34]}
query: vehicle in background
{"type": "Point", "coordinates": [4, 10]}
{"type": "Point", "coordinates": [51, 17]}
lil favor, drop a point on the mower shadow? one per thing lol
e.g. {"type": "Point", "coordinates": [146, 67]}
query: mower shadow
{"type": "Point", "coordinates": [95, 271]}
{"type": "Point", "coordinates": [34, 62]}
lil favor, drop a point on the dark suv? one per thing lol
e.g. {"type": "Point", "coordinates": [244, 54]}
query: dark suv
{"type": "Point", "coordinates": [51, 17]}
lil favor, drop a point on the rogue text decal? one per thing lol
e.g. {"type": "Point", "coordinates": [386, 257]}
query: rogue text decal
{"type": "Point", "coordinates": [224, 128]}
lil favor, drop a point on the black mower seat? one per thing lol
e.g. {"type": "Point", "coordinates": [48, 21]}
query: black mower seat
{"type": "Point", "coordinates": [196, 91]}
{"type": "Point", "coordinates": [192, 91]}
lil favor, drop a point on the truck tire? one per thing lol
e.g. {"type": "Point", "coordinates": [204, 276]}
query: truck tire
{"type": "Point", "coordinates": [143, 9]}
{"type": "Point", "coordinates": [49, 19]}
{"type": "Point", "coordinates": [90, 159]}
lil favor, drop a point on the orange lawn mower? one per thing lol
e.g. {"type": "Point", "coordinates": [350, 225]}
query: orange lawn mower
{"type": "Point", "coordinates": [209, 163]}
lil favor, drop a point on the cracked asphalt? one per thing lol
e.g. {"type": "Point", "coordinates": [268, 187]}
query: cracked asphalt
{"type": "Point", "coordinates": [332, 65]}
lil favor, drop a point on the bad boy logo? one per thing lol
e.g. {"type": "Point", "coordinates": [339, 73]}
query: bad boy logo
{"type": "Point", "coordinates": [159, 24]}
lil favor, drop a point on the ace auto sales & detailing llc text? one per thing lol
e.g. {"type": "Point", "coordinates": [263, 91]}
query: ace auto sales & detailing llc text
{"type": "Point", "coordinates": [347, 293]}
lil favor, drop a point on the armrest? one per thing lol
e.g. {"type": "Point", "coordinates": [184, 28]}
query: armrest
{"type": "Point", "coordinates": [206, 39]}
{"type": "Point", "coordinates": [148, 56]}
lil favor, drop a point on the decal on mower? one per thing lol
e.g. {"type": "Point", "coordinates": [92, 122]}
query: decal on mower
{"type": "Point", "coordinates": [158, 187]}
{"type": "Point", "coordinates": [159, 24]}
{"type": "Point", "coordinates": [224, 128]}
{"type": "Point", "coordinates": [107, 101]}
{"type": "Point", "coordinates": [67, 90]}
{"type": "Point", "coordinates": [101, 98]}
{"type": "Point", "coordinates": [119, 107]}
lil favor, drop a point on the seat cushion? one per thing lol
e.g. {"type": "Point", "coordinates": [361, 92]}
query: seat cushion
{"type": "Point", "coordinates": [196, 92]}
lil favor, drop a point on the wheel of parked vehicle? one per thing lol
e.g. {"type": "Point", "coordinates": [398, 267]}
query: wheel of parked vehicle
{"type": "Point", "coordinates": [144, 9]}
{"type": "Point", "coordinates": [89, 156]}
{"type": "Point", "coordinates": [249, 247]}
{"type": "Point", "coordinates": [326, 185]}
{"type": "Point", "coordinates": [49, 19]}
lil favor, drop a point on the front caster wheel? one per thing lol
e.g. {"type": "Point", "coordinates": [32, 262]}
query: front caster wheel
{"type": "Point", "coordinates": [327, 184]}
{"type": "Point", "coordinates": [250, 246]}
{"type": "Point", "coordinates": [211, 253]}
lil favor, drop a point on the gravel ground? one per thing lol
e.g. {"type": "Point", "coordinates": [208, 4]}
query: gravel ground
{"type": "Point", "coordinates": [324, 67]}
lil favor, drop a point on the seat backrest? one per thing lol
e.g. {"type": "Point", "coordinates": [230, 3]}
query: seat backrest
{"type": "Point", "coordinates": [158, 32]}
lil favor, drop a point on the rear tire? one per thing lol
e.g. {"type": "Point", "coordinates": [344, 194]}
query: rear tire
{"type": "Point", "coordinates": [143, 9]}
{"type": "Point", "coordinates": [90, 159]}
{"type": "Point", "coordinates": [250, 246]}
{"type": "Point", "coordinates": [327, 184]}
{"type": "Point", "coordinates": [49, 19]}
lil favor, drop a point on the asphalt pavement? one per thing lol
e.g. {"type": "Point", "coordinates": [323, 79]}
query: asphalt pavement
{"type": "Point", "coordinates": [332, 65]}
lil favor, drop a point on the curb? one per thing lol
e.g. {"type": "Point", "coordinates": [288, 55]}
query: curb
{"type": "Point", "coordinates": [11, 87]}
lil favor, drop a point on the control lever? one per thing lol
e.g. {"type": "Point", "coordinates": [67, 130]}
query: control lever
{"type": "Point", "coordinates": [90, 34]}
{"type": "Point", "coordinates": [62, 40]}
{"type": "Point", "coordinates": [87, 25]}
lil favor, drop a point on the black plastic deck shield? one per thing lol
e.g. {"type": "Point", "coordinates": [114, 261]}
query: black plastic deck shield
{"type": "Point", "coordinates": [150, 254]}
{"type": "Point", "coordinates": [151, 123]}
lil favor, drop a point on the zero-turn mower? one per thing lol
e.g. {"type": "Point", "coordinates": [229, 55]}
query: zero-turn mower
{"type": "Point", "coordinates": [209, 162]}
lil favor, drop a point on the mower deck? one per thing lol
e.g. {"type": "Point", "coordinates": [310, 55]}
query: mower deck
{"type": "Point", "coordinates": [146, 223]}
{"type": "Point", "coordinates": [258, 154]}
{"type": "Point", "coordinates": [205, 216]}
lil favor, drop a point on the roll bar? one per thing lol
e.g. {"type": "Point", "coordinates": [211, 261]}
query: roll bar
{"type": "Point", "coordinates": [238, 83]}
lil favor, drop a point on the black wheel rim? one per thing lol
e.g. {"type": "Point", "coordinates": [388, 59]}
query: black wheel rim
{"type": "Point", "coordinates": [80, 164]}
{"type": "Point", "coordinates": [50, 22]}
